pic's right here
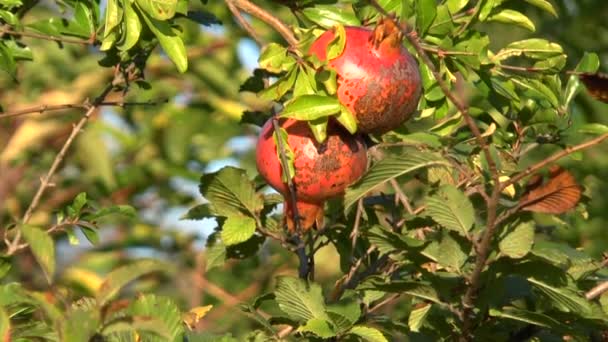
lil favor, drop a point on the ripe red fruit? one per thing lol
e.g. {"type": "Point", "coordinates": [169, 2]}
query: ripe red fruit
{"type": "Point", "coordinates": [322, 171]}
{"type": "Point", "coordinates": [378, 79]}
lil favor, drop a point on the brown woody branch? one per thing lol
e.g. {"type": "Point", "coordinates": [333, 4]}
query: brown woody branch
{"type": "Point", "coordinates": [268, 18]}
{"type": "Point", "coordinates": [244, 23]}
{"type": "Point", "coordinates": [483, 249]}
{"type": "Point", "coordinates": [16, 244]}
{"type": "Point", "coordinates": [559, 155]}
{"type": "Point", "coordinates": [49, 108]}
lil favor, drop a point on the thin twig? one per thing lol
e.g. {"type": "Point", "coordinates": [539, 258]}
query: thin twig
{"type": "Point", "coordinates": [268, 18]}
{"type": "Point", "coordinates": [559, 155]}
{"type": "Point", "coordinates": [244, 23]}
{"type": "Point", "coordinates": [6, 30]}
{"type": "Point", "coordinates": [48, 108]}
{"type": "Point", "coordinates": [354, 234]}
{"type": "Point", "coordinates": [597, 291]}
{"type": "Point", "coordinates": [388, 300]}
{"type": "Point", "coordinates": [402, 197]}
{"type": "Point", "coordinates": [15, 245]}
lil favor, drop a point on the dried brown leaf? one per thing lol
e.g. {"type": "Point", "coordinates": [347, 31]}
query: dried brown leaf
{"type": "Point", "coordinates": [558, 194]}
{"type": "Point", "coordinates": [597, 85]}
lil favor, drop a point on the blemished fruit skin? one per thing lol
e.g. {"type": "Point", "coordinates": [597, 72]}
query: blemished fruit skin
{"type": "Point", "coordinates": [378, 79]}
{"type": "Point", "coordinates": [322, 170]}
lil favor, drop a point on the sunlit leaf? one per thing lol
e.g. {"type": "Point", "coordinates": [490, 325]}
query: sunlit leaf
{"type": "Point", "coordinates": [299, 300]}
{"type": "Point", "coordinates": [452, 209]}
{"type": "Point", "coordinates": [518, 241]}
{"type": "Point", "coordinates": [42, 247]}
{"type": "Point", "coordinates": [509, 16]}
{"type": "Point", "coordinates": [237, 229]}
{"type": "Point", "coordinates": [230, 192]}
{"type": "Point", "coordinates": [368, 334]}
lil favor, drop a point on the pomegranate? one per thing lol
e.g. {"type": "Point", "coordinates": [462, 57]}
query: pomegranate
{"type": "Point", "coordinates": [378, 79]}
{"type": "Point", "coordinates": [322, 171]}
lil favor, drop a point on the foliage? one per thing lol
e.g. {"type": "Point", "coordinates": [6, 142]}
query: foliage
{"type": "Point", "coordinates": [476, 220]}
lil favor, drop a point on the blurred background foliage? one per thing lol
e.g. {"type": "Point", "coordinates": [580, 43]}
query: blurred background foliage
{"type": "Point", "coordinates": [152, 156]}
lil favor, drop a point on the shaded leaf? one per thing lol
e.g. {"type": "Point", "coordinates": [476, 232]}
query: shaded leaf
{"type": "Point", "coordinates": [42, 247]}
{"type": "Point", "coordinates": [452, 209]}
{"type": "Point", "coordinates": [426, 11]}
{"type": "Point", "coordinates": [81, 323]}
{"type": "Point", "coordinates": [564, 299]}
{"type": "Point", "coordinates": [525, 316]}
{"type": "Point", "coordinates": [518, 242]}
{"type": "Point", "coordinates": [327, 16]}
{"type": "Point", "coordinates": [557, 195]}
{"type": "Point", "coordinates": [390, 168]}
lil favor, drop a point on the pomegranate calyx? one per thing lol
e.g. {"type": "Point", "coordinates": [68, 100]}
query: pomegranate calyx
{"type": "Point", "coordinates": [386, 34]}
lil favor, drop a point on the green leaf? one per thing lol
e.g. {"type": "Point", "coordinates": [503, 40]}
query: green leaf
{"type": "Point", "coordinates": [535, 48]}
{"type": "Point", "coordinates": [5, 267]}
{"type": "Point", "coordinates": [456, 5]}
{"type": "Point", "coordinates": [9, 18]}
{"type": "Point", "coordinates": [390, 168]}
{"type": "Point", "coordinates": [306, 81]}
{"type": "Point", "coordinates": [279, 88]}
{"type": "Point", "coordinates": [525, 316]}
{"type": "Point", "coordinates": [231, 192]}
{"type": "Point", "coordinates": [426, 11]}
{"type": "Point", "coordinates": [171, 43]}
{"type": "Point", "coordinates": [132, 27]}
{"type": "Point", "coordinates": [452, 255]}
{"type": "Point", "coordinates": [417, 317]}
{"type": "Point", "coordinates": [593, 128]}
{"type": "Point", "coordinates": [328, 16]}
{"type": "Point", "coordinates": [589, 63]}
{"type": "Point", "coordinates": [318, 326]}
{"type": "Point", "coordinates": [81, 323]}
{"type": "Point", "coordinates": [544, 5]}
{"type": "Point", "coordinates": [113, 17]}
{"type": "Point", "coordinates": [509, 16]}
{"type": "Point", "coordinates": [42, 247]}
{"type": "Point", "coordinates": [416, 289]}
{"type": "Point", "coordinates": [563, 298]}
{"type": "Point", "coordinates": [318, 127]}
{"type": "Point", "coordinates": [7, 61]}
{"type": "Point", "coordinates": [518, 242]}
{"type": "Point", "coordinates": [78, 203]}
{"type": "Point", "coordinates": [282, 136]}
{"type": "Point", "coordinates": [165, 312]}
{"type": "Point", "coordinates": [237, 229]}
{"type": "Point", "coordinates": [298, 300]}
{"type": "Point", "coordinates": [311, 107]}
{"type": "Point", "coordinates": [337, 44]}
{"type": "Point", "coordinates": [158, 9]}
{"type": "Point", "coordinates": [274, 58]}
{"type": "Point", "coordinates": [452, 209]}
{"type": "Point", "coordinates": [215, 255]}
{"type": "Point", "coordinates": [328, 78]}
{"type": "Point", "coordinates": [5, 326]}
{"type": "Point", "coordinates": [347, 119]}
{"type": "Point", "coordinates": [83, 18]}
{"type": "Point", "coordinates": [368, 333]}
{"type": "Point", "coordinates": [123, 275]}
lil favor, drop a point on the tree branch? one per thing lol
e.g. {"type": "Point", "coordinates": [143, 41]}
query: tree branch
{"type": "Point", "coordinates": [597, 291]}
{"type": "Point", "coordinates": [48, 108]}
{"type": "Point", "coordinates": [559, 155]}
{"type": "Point", "coordinates": [244, 23]}
{"type": "Point", "coordinates": [15, 244]}
{"type": "Point", "coordinates": [268, 18]}
{"type": "Point", "coordinates": [9, 31]}
{"type": "Point", "coordinates": [492, 205]}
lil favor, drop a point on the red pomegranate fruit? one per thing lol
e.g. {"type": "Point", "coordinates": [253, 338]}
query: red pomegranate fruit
{"type": "Point", "coordinates": [378, 79]}
{"type": "Point", "coordinates": [322, 171]}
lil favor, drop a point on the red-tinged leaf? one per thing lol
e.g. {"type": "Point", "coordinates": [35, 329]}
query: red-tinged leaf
{"type": "Point", "coordinates": [596, 84]}
{"type": "Point", "coordinates": [557, 195]}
